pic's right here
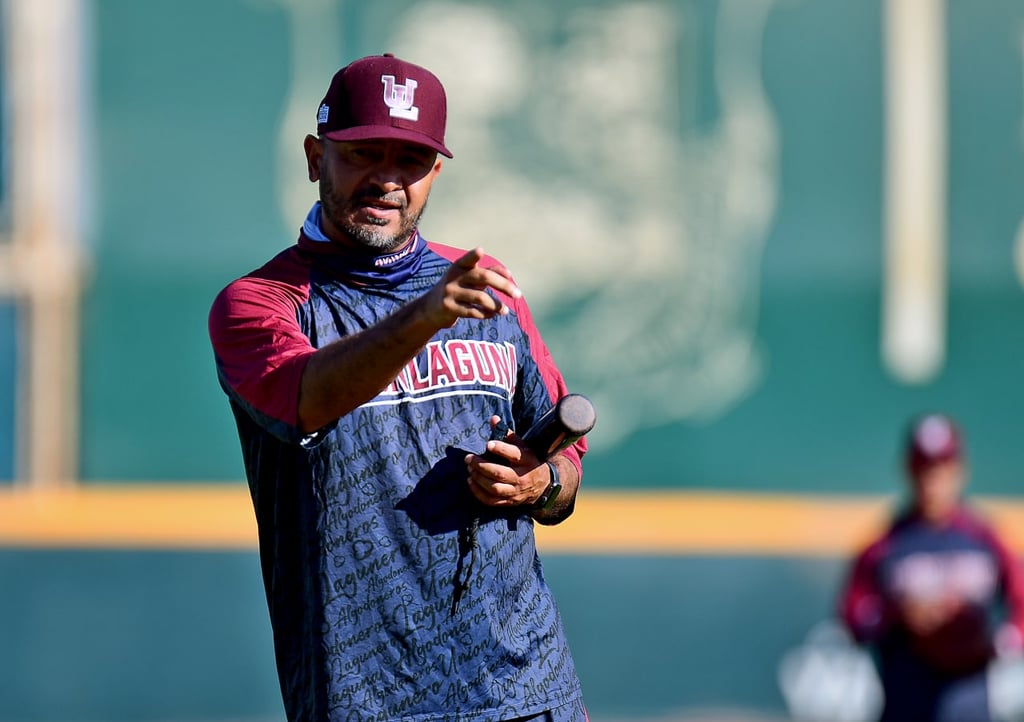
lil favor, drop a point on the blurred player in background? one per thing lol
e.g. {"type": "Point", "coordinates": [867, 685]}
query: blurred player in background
{"type": "Point", "coordinates": [364, 366]}
{"type": "Point", "coordinates": [938, 596]}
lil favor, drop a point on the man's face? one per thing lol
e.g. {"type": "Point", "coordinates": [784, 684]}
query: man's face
{"type": "Point", "coordinates": [373, 192]}
{"type": "Point", "coordinates": [937, 487]}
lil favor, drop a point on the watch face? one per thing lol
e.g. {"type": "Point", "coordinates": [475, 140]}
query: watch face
{"type": "Point", "coordinates": [551, 493]}
{"type": "Point", "coordinates": [549, 496]}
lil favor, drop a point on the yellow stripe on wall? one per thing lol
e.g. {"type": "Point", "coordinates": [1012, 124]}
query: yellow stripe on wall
{"type": "Point", "coordinates": [220, 517]}
{"type": "Point", "coordinates": [741, 524]}
{"type": "Point", "coordinates": [134, 516]}
{"type": "Point", "coordinates": [715, 523]}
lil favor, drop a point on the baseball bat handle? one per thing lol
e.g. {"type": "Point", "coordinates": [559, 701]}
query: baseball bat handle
{"type": "Point", "coordinates": [565, 423]}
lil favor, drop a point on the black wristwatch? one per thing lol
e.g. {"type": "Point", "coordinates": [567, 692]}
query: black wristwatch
{"type": "Point", "coordinates": [551, 493]}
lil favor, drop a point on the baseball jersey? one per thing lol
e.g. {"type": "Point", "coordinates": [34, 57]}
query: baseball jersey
{"type": "Point", "coordinates": [917, 560]}
{"type": "Point", "coordinates": [363, 525]}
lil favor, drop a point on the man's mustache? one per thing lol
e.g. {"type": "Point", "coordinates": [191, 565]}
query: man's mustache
{"type": "Point", "coordinates": [370, 196]}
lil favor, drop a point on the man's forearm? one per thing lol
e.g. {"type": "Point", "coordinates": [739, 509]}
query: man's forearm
{"type": "Point", "coordinates": [349, 372]}
{"type": "Point", "coordinates": [565, 503]}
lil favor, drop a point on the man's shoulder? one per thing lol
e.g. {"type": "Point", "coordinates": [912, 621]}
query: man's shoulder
{"type": "Point", "coordinates": [452, 253]}
{"type": "Point", "coordinates": [284, 278]}
{"type": "Point", "coordinates": [975, 522]}
{"type": "Point", "coordinates": [289, 267]}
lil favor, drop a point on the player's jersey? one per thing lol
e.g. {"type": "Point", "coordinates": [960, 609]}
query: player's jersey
{"type": "Point", "coordinates": [914, 560]}
{"type": "Point", "coordinates": [363, 524]}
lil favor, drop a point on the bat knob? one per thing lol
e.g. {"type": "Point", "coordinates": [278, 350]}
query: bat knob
{"type": "Point", "coordinates": [576, 414]}
{"type": "Point", "coordinates": [568, 420]}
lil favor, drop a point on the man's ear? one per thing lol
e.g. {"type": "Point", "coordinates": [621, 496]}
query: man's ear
{"type": "Point", "coordinates": [314, 148]}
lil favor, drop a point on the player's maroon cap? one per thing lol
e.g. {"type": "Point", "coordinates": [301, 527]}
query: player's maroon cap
{"type": "Point", "coordinates": [933, 438]}
{"type": "Point", "coordinates": [383, 97]}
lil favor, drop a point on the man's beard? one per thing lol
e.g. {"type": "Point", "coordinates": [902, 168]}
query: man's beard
{"type": "Point", "coordinates": [372, 233]}
{"type": "Point", "coordinates": [378, 238]}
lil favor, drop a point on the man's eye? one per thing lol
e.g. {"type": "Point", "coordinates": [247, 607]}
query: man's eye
{"type": "Point", "coordinates": [364, 155]}
{"type": "Point", "coordinates": [415, 161]}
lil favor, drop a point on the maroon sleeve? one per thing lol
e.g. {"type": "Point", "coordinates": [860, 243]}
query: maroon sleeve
{"type": "Point", "coordinates": [1012, 577]}
{"type": "Point", "coordinates": [862, 606]}
{"type": "Point", "coordinates": [549, 372]}
{"type": "Point", "coordinates": [538, 349]}
{"type": "Point", "coordinates": [261, 351]}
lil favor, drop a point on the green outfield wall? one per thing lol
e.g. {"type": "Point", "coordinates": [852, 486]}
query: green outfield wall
{"type": "Point", "coordinates": [148, 636]}
{"type": "Point", "coordinates": [731, 347]}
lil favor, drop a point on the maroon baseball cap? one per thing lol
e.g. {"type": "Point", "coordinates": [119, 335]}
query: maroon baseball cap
{"type": "Point", "coordinates": [383, 97]}
{"type": "Point", "coordinates": [933, 438]}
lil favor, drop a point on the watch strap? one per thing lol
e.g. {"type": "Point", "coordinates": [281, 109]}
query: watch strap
{"type": "Point", "coordinates": [547, 498]}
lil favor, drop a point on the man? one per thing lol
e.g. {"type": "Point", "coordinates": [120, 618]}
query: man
{"type": "Point", "coordinates": [367, 370]}
{"type": "Point", "coordinates": [938, 596]}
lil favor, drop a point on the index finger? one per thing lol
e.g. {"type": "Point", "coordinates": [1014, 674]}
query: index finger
{"type": "Point", "coordinates": [470, 259]}
{"type": "Point", "coordinates": [496, 276]}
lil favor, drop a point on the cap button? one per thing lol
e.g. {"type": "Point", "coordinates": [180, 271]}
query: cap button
{"type": "Point", "coordinates": [389, 55]}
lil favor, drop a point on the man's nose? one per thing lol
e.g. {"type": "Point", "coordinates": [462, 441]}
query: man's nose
{"type": "Point", "coordinates": [387, 175]}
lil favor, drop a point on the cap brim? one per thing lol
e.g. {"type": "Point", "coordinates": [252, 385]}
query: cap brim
{"type": "Point", "coordinates": [377, 132]}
